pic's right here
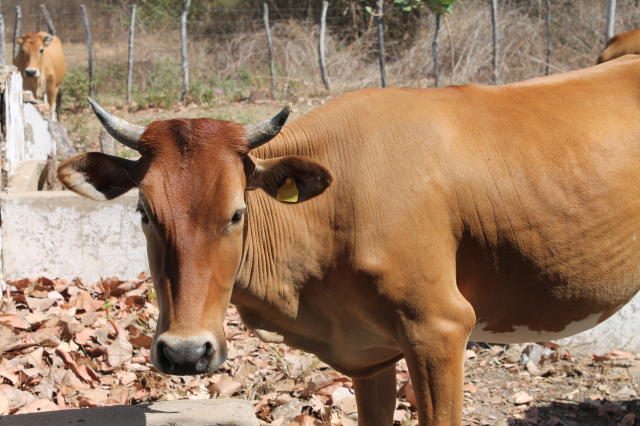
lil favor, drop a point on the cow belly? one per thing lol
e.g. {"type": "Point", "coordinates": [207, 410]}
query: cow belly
{"type": "Point", "coordinates": [524, 334]}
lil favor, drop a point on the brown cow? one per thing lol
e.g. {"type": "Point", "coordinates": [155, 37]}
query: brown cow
{"type": "Point", "coordinates": [501, 214]}
{"type": "Point", "coordinates": [621, 44]}
{"type": "Point", "coordinates": [41, 62]}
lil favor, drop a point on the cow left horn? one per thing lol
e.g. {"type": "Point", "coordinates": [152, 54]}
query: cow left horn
{"type": "Point", "coordinates": [263, 132]}
{"type": "Point", "coordinates": [124, 132]}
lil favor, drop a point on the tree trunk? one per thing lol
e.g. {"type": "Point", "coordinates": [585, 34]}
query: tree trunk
{"type": "Point", "coordinates": [321, 48]}
{"type": "Point", "coordinates": [611, 19]}
{"type": "Point", "coordinates": [379, 24]}
{"type": "Point", "coordinates": [272, 65]}
{"type": "Point", "coordinates": [17, 30]}
{"type": "Point", "coordinates": [87, 31]}
{"type": "Point", "coordinates": [434, 49]}
{"type": "Point", "coordinates": [184, 50]}
{"type": "Point", "coordinates": [494, 24]}
{"type": "Point", "coordinates": [549, 45]}
{"type": "Point", "coordinates": [132, 30]}
{"type": "Point", "coordinates": [47, 19]}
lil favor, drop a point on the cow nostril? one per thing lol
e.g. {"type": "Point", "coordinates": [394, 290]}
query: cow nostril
{"type": "Point", "coordinates": [208, 349]}
{"type": "Point", "coordinates": [164, 356]}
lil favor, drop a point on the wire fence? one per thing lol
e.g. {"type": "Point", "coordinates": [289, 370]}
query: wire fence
{"type": "Point", "coordinates": [228, 54]}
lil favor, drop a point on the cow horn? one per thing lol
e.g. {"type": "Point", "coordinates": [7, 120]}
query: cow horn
{"type": "Point", "coordinates": [263, 132]}
{"type": "Point", "coordinates": [124, 132]}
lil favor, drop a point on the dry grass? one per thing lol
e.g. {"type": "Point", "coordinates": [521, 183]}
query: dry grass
{"type": "Point", "coordinates": [230, 67]}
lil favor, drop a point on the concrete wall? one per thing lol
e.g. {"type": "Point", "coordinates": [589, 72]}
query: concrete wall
{"type": "Point", "coordinates": [621, 331]}
{"type": "Point", "coordinates": [59, 234]}
{"type": "Point", "coordinates": [26, 131]}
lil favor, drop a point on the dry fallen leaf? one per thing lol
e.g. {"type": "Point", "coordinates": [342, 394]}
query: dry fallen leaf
{"type": "Point", "coordinates": [120, 351]}
{"type": "Point", "coordinates": [37, 406]}
{"type": "Point", "coordinates": [225, 387]}
{"type": "Point", "coordinates": [520, 398]}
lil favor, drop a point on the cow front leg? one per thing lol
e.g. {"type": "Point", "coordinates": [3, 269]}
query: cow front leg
{"type": "Point", "coordinates": [52, 98]}
{"type": "Point", "coordinates": [376, 397]}
{"type": "Point", "coordinates": [434, 350]}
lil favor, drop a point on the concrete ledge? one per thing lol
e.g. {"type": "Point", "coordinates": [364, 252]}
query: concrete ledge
{"type": "Point", "coordinates": [222, 412]}
{"type": "Point", "coordinates": [28, 177]}
{"type": "Point", "coordinates": [59, 234]}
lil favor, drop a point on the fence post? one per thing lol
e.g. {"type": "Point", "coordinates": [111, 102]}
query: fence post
{"type": "Point", "coordinates": [321, 51]}
{"type": "Point", "coordinates": [549, 45]}
{"type": "Point", "coordinates": [611, 19]}
{"type": "Point", "coordinates": [379, 15]}
{"type": "Point", "coordinates": [3, 53]}
{"type": "Point", "coordinates": [434, 49]}
{"type": "Point", "coordinates": [494, 24]}
{"type": "Point", "coordinates": [47, 19]}
{"type": "Point", "coordinates": [132, 30]}
{"type": "Point", "coordinates": [184, 51]}
{"type": "Point", "coordinates": [17, 29]}
{"type": "Point", "coordinates": [87, 31]}
{"type": "Point", "coordinates": [272, 65]}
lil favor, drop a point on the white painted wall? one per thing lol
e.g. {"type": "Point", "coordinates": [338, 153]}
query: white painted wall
{"type": "Point", "coordinates": [621, 331]}
{"type": "Point", "coordinates": [27, 132]}
{"type": "Point", "coordinates": [60, 234]}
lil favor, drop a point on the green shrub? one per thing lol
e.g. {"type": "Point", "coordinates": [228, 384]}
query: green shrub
{"type": "Point", "coordinates": [75, 89]}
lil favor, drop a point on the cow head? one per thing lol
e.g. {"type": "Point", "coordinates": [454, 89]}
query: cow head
{"type": "Point", "coordinates": [32, 47]}
{"type": "Point", "coordinates": [192, 176]}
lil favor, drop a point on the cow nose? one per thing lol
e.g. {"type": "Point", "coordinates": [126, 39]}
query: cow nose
{"type": "Point", "coordinates": [30, 72]}
{"type": "Point", "coordinates": [184, 356]}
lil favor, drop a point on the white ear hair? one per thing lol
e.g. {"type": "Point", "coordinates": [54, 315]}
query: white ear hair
{"type": "Point", "coordinates": [77, 182]}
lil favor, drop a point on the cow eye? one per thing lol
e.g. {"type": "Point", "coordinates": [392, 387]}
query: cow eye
{"type": "Point", "coordinates": [237, 216]}
{"type": "Point", "coordinates": [143, 215]}
{"type": "Point", "coordinates": [42, 50]}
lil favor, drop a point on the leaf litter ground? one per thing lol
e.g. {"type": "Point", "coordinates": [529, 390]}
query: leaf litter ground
{"type": "Point", "coordinates": [70, 345]}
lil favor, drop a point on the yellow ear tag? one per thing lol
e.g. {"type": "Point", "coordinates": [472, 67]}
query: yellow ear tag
{"type": "Point", "coordinates": [288, 193]}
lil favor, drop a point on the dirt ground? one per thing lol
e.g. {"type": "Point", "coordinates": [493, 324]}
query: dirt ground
{"type": "Point", "coordinates": [66, 345]}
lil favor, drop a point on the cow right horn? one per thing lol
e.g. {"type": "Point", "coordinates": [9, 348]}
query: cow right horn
{"type": "Point", "coordinates": [124, 132]}
{"type": "Point", "coordinates": [263, 132]}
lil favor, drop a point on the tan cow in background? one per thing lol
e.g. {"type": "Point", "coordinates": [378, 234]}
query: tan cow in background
{"type": "Point", "coordinates": [621, 44]}
{"type": "Point", "coordinates": [41, 62]}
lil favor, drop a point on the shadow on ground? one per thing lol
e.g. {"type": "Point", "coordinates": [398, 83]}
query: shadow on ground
{"type": "Point", "coordinates": [223, 412]}
{"type": "Point", "coordinates": [592, 413]}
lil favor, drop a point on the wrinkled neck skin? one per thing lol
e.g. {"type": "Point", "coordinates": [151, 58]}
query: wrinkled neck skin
{"type": "Point", "coordinates": [279, 253]}
{"type": "Point", "coordinates": [299, 277]}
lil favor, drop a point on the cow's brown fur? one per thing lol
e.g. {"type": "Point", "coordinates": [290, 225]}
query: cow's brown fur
{"type": "Point", "coordinates": [50, 63]}
{"type": "Point", "coordinates": [621, 44]}
{"type": "Point", "coordinates": [500, 207]}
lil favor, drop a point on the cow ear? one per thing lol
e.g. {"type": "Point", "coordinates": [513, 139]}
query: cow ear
{"type": "Point", "coordinates": [47, 39]}
{"type": "Point", "coordinates": [289, 179]}
{"type": "Point", "coordinates": [98, 176]}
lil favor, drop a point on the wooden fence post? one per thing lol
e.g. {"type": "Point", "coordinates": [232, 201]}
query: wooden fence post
{"type": "Point", "coordinates": [87, 31]}
{"type": "Point", "coordinates": [494, 24]}
{"type": "Point", "coordinates": [379, 16]}
{"type": "Point", "coordinates": [17, 29]}
{"type": "Point", "coordinates": [321, 51]}
{"type": "Point", "coordinates": [132, 30]}
{"type": "Point", "coordinates": [611, 20]}
{"type": "Point", "coordinates": [3, 53]}
{"type": "Point", "coordinates": [434, 49]}
{"type": "Point", "coordinates": [47, 19]}
{"type": "Point", "coordinates": [549, 45]}
{"type": "Point", "coordinates": [184, 50]}
{"type": "Point", "coordinates": [272, 64]}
